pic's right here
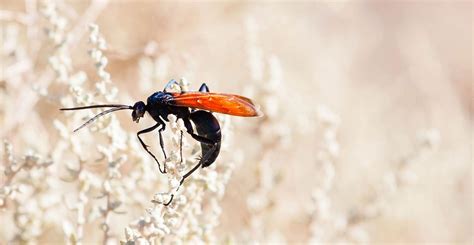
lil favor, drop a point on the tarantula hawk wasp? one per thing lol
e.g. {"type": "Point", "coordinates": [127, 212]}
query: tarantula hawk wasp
{"type": "Point", "coordinates": [195, 107]}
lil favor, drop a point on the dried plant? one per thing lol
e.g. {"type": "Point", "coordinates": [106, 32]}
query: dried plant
{"type": "Point", "coordinates": [280, 178]}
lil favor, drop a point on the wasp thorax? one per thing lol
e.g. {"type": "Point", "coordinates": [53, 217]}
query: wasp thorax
{"type": "Point", "coordinates": [139, 109]}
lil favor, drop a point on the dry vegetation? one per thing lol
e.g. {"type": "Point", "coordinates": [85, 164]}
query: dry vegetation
{"type": "Point", "coordinates": [367, 133]}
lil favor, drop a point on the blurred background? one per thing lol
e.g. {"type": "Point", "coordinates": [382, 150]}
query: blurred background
{"type": "Point", "coordinates": [367, 133]}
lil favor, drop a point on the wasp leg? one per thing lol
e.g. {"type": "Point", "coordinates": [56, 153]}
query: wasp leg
{"type": "Point", "coordinates": [199, 138]}
{"type": "Point", "coordinates": [181, 146]}
{"type": "Point", "coordinates": [147, 130]}
{"type": "Point", "coordinates": [204, 88]}
{"type": "Point", "coordinates": [204, 159]}
{"type": "Point", "coordinates": [162, 144]}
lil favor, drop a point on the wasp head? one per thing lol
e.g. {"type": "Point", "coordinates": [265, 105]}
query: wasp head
{"type": "Point", "coordinates": [139, 109]}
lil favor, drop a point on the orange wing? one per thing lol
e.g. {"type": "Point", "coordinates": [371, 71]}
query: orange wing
{"type": "Point", "coordinates": [231, 104]}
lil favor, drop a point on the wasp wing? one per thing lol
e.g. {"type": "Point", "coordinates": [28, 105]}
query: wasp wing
{"type": "Point", "coordinates": [231, 104]}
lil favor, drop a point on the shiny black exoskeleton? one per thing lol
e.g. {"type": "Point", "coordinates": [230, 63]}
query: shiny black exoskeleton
{"type": "Point", "coordinates": [208, 131]}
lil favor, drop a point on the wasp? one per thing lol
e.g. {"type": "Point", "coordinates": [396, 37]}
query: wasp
{"type": "Point", "coordinates": [194, 108]}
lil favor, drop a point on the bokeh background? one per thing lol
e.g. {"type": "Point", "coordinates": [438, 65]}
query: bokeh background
{"type": "Point", "coordinates": [367, 133]}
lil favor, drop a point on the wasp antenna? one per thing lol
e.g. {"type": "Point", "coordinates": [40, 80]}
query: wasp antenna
{"type": "Point", "coordinates": [123, 107]}
{"type": "Point", "coordinates": [96, 106]}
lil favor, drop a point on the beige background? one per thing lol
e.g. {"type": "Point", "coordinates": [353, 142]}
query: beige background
{"type": "Point", "coordinates": [388, 70]}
